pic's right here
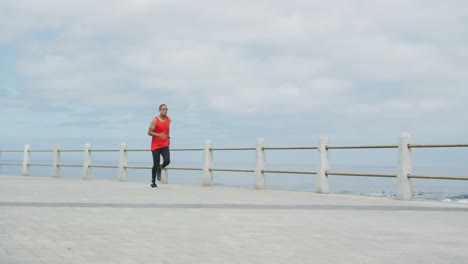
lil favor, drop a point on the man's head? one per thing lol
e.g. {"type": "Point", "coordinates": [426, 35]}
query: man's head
{"type": "Point", "coordinates": [163, 110]}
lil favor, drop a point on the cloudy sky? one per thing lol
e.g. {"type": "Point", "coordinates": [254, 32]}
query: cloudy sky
{"type": "Point", "coordinates": [359, 72]}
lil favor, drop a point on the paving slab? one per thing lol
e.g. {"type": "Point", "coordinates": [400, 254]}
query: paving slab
{"type": "Point", "coordinates": [56, 220]}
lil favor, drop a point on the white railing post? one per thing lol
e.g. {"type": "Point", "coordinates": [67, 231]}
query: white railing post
{"type": "Point", "coordinates": [56, 162]}
{"type": "Point", "coordinates": [26, 160]}
{"type": "Point", "coordinates": [164, 174]}
{"type": "Point", "coordinates": [405, 168]}
{"type": "Point", "coordinates": [87, 170]}
{"type": "Point", "coordinates": [323, 186]}
{"type": "Point", "coordinates": [123, 163]}
{"type": "Point", "coordinates": [208, 163]}
{"type": "Point", "coordinates": [260, 165]}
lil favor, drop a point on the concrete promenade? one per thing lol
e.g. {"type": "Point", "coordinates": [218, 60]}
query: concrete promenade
{"type": "Point", "coordinates": [46, 220]}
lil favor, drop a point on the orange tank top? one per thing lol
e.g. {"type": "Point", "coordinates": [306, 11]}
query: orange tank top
{"type": "Point", "coordinates": [161, 127]}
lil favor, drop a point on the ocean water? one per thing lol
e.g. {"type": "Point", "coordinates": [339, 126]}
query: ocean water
{"type": "Point", "coordinates": [442, 190]}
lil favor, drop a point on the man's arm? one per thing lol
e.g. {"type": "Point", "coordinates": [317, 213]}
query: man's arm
{"type": "Point", "coordinates": [151, 129]}
{"type": "Point", "coordinates": [169, 130]}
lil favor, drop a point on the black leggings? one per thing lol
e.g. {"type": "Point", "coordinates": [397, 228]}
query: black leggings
{"type": "Point", "coordinates": [156, 159]}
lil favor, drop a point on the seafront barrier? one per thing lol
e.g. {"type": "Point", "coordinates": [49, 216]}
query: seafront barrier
{"type": "Point", "coordinates": [323, 171]}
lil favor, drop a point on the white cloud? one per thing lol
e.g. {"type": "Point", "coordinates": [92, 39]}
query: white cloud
{"type": "Point", "coordinates": [333, 57]}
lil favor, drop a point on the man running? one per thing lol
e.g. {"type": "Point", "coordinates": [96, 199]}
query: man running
{"type": "Point", "coordinates": [159, 131]}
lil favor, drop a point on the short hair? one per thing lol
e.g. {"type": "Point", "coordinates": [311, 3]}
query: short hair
{"type": "Point", "coordinates": [162, 106]}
